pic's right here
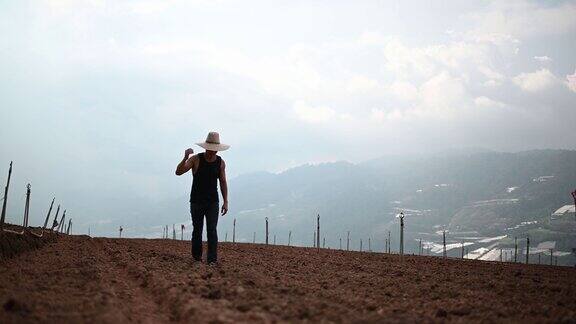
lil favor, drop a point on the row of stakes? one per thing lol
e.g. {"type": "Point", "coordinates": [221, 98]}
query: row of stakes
{"type": "Point", "coordinates": [387, 248]}
{"type": "Point", "coordinates": [58, 227]}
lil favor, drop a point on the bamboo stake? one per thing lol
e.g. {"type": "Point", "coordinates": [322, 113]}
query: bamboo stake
{"type": "Point", "coordinates": [348, 242]}
{"type": "Point", "coordinates": [318, 232]}
{"type": "Point", "coordinates": [266, 230]}
{"type": "Point", "coordinates": [515, 249]}
{"type": "Point", "coordinates": [314, 241]}
{"type": "Point", "coordinates": [444, 252]}
{"type": "Point", "coordinates": [527, 249]}
{"type": "Point", "coordinates": [3, 215]}
{"type": "Point", "coordinates": [61, 225]}
{"type": "Point", "coordinates": [401, 233]}
{"type": "Point", "coordinates": [55, 222]}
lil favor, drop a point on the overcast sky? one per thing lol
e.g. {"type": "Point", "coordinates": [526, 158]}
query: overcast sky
{"type": "Point", "coordinates": [106, 95]}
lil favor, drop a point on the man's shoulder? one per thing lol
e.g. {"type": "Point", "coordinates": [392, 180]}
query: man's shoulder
{"type": "Point", "coordinates": [194, 157]}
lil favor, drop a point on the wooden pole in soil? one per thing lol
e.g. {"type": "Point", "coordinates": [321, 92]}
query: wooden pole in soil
{"type": "Point", "coordinates": [318, 232]}
{"type": "Point", "coordinates": [234, 231]}
{"type": "Point", "coordinates": [444, 244]}
{"type": "Point", "coordinates": [314, 241]}
{"type": "Point", "coordinates": [369, 245]}
{"type": "Point", "coordinates": [360, 245]}
{"type": "Point", "coordinates": [266, 219]}
{"type": "Point", "coordinates": [26, 208]}
{"type": "Point", "coordinates": [274, 239]}
{"type": "Point", "coordinates": [182, 232]}
{"type": "Point", "coordinates": [348, 241]}
{"type": "Point", "coordinates": [120, 230]}
{"type": "Point", "coordinates": [515, 249]}
{"type": "Point", "coordinates": [420, 247]}
{"type": "Point", "coordinates": [551, 255]}
{"type": "Point", "coordinates": [289, 237]}
{"type": "Point", "coordinates": [55, 221]}
{"type": "Point", "coordinates": [254, 238]}
{"type": "Point", "coordinates": [389, 243]}
{"type": "Point", "coordinates": [527, 249]}
{"type": "Point", "coordinates": [48, 215]}
{"type": "Point", "coordinates": [574, 196]}
{"type": "Point", "coordinates": [462, 249]}
{"type": "Point", "coordinates": [173, 231]}
{"type": "Point", "coordinates": [323, 242]}
{"type": "Point", "coordinates": [500, 254]}
{"type": "Point", "coordinates": [386, 245]}
{"type": "Point", "coordinates": [539, 256]}
{"type": "Point", "coordinates": [340, 242]}
{"type": "Point", "coordinates": [61, 225]}
{"type": "Point", "coordinates": [226, 237]}
{"type": "Point", "coordinates": [401, 233]}
{"type": "Point", "coordinates": [3, 215]}
{"type": "Point", "coordinates": [69, 225]}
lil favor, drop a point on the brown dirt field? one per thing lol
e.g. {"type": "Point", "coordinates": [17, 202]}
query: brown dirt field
{"type": "Point", "coordinates": [80, 279]}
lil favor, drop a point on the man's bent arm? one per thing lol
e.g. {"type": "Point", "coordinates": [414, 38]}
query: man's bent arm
{"type": "Point", "coordinates": [185, 164]}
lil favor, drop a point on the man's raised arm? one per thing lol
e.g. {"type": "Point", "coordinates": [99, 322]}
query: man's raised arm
{"type": "Point", "coordinates": [185, 164]}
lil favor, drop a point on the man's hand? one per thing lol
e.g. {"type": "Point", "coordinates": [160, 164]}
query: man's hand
{"type": "Point", "coordinates": [188, 152]}
{"type": "Point", "coordinates": [224, 208]}
{"type": "Point", "coordinates": [184, 165]}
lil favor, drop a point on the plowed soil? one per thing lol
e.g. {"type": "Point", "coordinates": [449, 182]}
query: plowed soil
{"type": "Point", "coordinates": [80, 279]}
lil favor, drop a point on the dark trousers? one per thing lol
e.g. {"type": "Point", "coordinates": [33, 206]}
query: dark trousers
{"type": "Point", "coordinates": [198, 212]}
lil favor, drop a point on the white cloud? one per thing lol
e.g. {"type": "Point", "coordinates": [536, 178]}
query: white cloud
{"type": "Point", "coordinates": [487, 102]}
{"type": "Point", "coordinates": [443, 94]}
{"type": "Point", "coordinates": [359, 84]}
{"type": "Point", "coordinates": [525, 19]}
{"type": "Point", "coordinates": [535, 81]}
{"type": "Point", "coordinates": [307, 113]}
{"type": "Point", "coordinates": [494, 78]}
{"type": "Point", "coordinates": [543, 58]}
{"type": "Point", "coordinates": [571, 81]}
{"type": "Point", "coordinates": [380, 115]}
{"type": "Point", "coordinates": [404, 90]}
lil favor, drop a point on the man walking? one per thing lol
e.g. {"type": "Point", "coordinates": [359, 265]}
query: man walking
{"type": "Point", "coordinates": [207, 168]}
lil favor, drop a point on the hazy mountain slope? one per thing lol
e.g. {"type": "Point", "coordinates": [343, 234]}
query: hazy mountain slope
{"type": "Point", "coordinates": [486, 193]}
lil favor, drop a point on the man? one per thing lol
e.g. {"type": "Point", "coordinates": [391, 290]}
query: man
{"type": "Point", "coordinates": [207, 168]}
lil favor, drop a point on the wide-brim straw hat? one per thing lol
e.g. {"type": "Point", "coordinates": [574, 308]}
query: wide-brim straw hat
{"type": "Point", "coordinates": [212, 143]}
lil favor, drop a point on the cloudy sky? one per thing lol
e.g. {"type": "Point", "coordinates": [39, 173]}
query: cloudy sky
{"type": "Point", "coordinates": [106, 95]}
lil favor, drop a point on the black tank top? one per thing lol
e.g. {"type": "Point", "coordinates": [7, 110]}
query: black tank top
{"type": "Point", "coordinates": [205, 182]}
